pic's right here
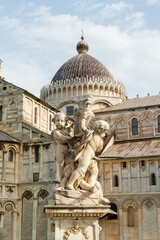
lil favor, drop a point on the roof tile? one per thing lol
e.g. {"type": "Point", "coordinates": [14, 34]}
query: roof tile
{"type": "Point", "coordinates": [145, 148]}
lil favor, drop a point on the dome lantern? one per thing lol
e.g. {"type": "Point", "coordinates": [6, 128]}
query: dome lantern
{"type": "Point", "coordinates": [82, 46]}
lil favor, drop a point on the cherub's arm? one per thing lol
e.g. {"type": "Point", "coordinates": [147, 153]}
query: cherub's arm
{"type": "Point", "coordinates": [83, 124]}
{"type": "Point", "coordinates": [60, 137]}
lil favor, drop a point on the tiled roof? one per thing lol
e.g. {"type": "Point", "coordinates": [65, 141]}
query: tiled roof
{"type": "Point", "coordinates": [82, 65]}
{"type": "Point", "coordinates": [134, 103]}
{"type": "Point", "coordinates": [145, 148]}
{"type": "Point", "coordinates": [4, 137]}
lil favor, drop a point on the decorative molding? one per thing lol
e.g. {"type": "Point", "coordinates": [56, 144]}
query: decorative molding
{"type": "Point", "coordinates": [28, 196]}
{"type": "Point", "coordinates": [26, 148]}
{"type": "Point", "coordinates": [152, 164]}
{"type": "Point", "coordinates": [156, 114]}
{"type": "Point", "coordinates": [109, 119]}
{"type": "Point", "coordinates": [12, 104]}
{"type": "Point", "coordinates": [8, 207]}
{"type": "Point", "coordinates": [152, 199]}
{"type": "Point", "coordinates": [1, 102]}
{"type": "Point", "coordinates": [54, 212]}
{"type": "Point", "coordinates": [130, 203]}
{"type": "Point", "coordinates": [149, 205]}
{"type": "Point", "coordinates": [10, 191]}
{"type": "Point", "coordinates": [42, 195]}
{"type": "Point", "coordinates": [46, 146]}
{"type": "Point", "coordinates": [75, 230]}
{"type": "Point", "coordinates": [134, 115]}
{"type": "Point", "coordinates": [121, 120]}
{"type": "Point", "coordinates": [146, 117]}
{"type": "Point", "coordinates": [134, 165]}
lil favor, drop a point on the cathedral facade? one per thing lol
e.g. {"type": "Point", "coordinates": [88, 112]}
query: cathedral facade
{"type": "Point", "coordinates": [129, 165]}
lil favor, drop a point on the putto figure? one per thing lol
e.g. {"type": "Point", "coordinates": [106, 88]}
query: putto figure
{"type": "Point", "coordinates": [75, 154]}
{"type": "Point", "coordinates": [94, 145]}
{"type": "Point", "coordinates": [61, 137]}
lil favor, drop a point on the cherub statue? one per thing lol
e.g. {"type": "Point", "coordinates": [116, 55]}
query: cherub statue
{"type": "Point", "coordinates": [83, 119]}
{"type": "Point", "coordinates": [61, 137]}
{"type": "Point", "coordinates": [95, 144]}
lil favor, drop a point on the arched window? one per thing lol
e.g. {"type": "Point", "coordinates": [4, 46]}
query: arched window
{"type": "Point", "coordinates": [134, 126]}
{"type": "Point", "coordinates": [153, 179]}
{"type": "Point", "coordinates": [35, 115]}
{"type": "Point", "coordinates": [115, 181]}
{"type": "Point", "coordinates": [158, 123]}
{"type": "Point", "coordinates": [50, 122]}
{"type": "Point", "coordinates": [1, 113]}
{"type": "Point", "coordinates": [130, 216]}
{"type": "Point", "coordinates": [10, 156]}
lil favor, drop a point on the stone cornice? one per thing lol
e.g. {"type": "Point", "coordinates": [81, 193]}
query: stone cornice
{"type": "Point", "coordinates": [54, 212]}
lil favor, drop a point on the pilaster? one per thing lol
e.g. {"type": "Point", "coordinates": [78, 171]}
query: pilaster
{"type": "Point", "coordinates": [41, 162]}
{"type": "Point", "coordinates": [4, 165]}
{"type": "Point", "coordinates": [30, 163]}
{"type": "Point", "coordinates": [121, 224]}
{"type": "Point", "coordinates": [34, 222]}
{"type": "Point", "coordinates": [140, 234]}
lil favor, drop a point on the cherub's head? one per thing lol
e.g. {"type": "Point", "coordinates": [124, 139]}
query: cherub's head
{"type": "Point", "coordinates": [60, 120]}
{"type": "Point", "coordinates": [101, 127]}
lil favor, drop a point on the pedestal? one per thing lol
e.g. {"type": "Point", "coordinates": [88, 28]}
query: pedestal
{"type": "Point", "coordinates": [76, 222]}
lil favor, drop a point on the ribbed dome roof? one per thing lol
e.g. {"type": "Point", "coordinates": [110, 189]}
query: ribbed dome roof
{"type": "Point", "coordinates": [81, 66]}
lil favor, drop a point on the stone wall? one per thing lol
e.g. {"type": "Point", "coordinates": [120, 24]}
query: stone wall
{"type": "Point", "coordinates": [121, 122]}
{"type": "Point", "coordinates": [137, 200]}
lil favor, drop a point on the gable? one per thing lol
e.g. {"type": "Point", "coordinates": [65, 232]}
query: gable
{"type": "Point", "coordinates": [8, 88]}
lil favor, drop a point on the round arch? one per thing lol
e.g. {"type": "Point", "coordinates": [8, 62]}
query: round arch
{"type": "Point", "coordinates": [67, 102]}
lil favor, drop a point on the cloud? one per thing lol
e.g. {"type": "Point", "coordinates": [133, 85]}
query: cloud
{"type": "Point", "coordinates": [153, 2]}
{"type": "Point", "coordinates": [23, 72]}
{"type": "Point", "coordinates": [135, 20]}
{"type": "Point", "coordinates": [87, 5]}
{"type": "Point", "coordinates": [114, 12]}
{"type": "Point", "coordinates": [111, 10]}
{"type": "Point", "coordinates": [40, 42]}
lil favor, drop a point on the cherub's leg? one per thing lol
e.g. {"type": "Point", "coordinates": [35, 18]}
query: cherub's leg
{"type": "Point", "coordinates": [93, 175]}
{"type": "Point", "coordinates": [102, 200]}
{"type": "Point", "coordinates": [92, 179]}
{"type": "Point", "coordinates": [75, 175]}
{"type": "Point", "coordinates": [85, 186]}
{"type": "Point", "coordinates": [63, 182]}
{"type": "Point", "coordinates": [60, 170]}
{"type": "Point", "coordinates": [84, 162]}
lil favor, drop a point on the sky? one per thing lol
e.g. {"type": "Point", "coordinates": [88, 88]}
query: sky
{"type": "Point", "coordinates": [37, 37]}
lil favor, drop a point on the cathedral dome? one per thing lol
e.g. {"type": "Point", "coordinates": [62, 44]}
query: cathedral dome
{"type": "Point", "coordinates": [80, 76]}
{"type": "Point", "coordinates": [82, 66]}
